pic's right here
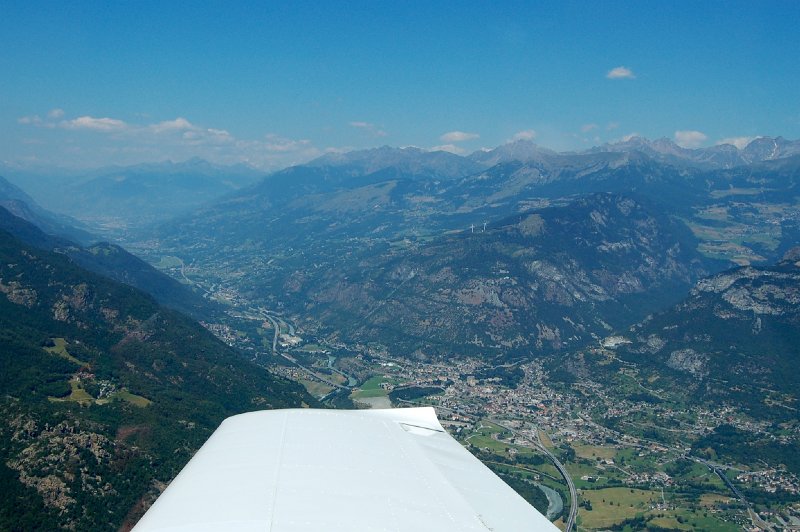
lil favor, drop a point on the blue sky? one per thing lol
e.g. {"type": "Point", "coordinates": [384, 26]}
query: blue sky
{"type": "Point", "coordinates": [87, 84]}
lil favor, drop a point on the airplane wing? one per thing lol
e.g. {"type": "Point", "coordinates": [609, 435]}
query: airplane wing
{"type": "Point", "coordinates": [307, 470]}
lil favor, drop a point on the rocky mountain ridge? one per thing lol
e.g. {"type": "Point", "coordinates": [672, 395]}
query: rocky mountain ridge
{"type": "Point", "coordinates": [758, 149]}
{"type": "Point", "coordinates": [735, 337]}
{"type": "Point", "coordinates": [546, 280]}
{"type": "Point", "coordinates": [117, 200]}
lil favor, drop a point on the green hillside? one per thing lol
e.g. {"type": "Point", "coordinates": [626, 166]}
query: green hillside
{"type": "Point", "coordinates": [105, 394]}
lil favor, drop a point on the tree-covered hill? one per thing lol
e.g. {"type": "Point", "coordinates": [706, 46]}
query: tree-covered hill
{"type": "Point", "coordinates": [105, 393]}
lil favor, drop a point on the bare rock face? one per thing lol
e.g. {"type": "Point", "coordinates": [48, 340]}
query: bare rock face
{"type": "Point", "coordinates": [532, 225]}
{"type": "Point", "coordinates": [765, 299]}
{"type": "Point", "coordinates": [793, 255]}
{"type": "Point", "coordinates": [655, 343]}
{"type": "Point", "coordinates": [548, 335]}
{"type": "Point", "coordinates": [740, 327]}
{"type": "Point", "coordinates": [479, 293]}
{"type": "Point", "coordinates": [60, 311]}
{"type": "Point", "coordinates": [79, 298]}
{"type": "Point", "coordinates": [752, 290]}
{"type": "Point", "coordinates": [50, 453]}
{"type": "Point", "coordinates": [18, 294]}
{"type": "Point", "coordinates": [690, 361]}
{"type": "Point", "coordinates": [73, 301]}
{"type": "Point", "coordinates": [720, 283]}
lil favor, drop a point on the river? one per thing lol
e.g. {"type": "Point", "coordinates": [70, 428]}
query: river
{"type": "Point", "coordinates": [554, 503]}
{"type": "Point", "coordinates": [351, 381]}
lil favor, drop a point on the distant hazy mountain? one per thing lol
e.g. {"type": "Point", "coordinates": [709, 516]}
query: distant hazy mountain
{"type": "Point", "coordinates": [521, 151]}
{"type": "Point", "coordinates": [144, 194]}
{"type": "Point", "coordinates": [342, 197]}
{"type": "Point", "coordinates": [769, 149]}
{"type": "Point", "coordinates": [16, 201]}
{"type": "Point", "coordinates": [720, 156]}
{"type": "Point", "coordinates": [10, 192]}
{"type": "Point", "coordinates": [409, 162]}
{"type": "Point", "coordinates": [303, 220]}
{"type": "Point", "coordinates": [113, 262]}
{"type": "Point", "coordinates": [116, 199]}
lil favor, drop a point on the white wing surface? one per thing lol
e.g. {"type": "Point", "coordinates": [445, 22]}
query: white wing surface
{"type": "Point", "coordinates": [305, 470]}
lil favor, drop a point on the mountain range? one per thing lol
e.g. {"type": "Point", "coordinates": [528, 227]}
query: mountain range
{"type": "Point", "coordinates": [306, 224]}
{"type": "Point", "coordinates": [756, 150]}
{"type": "Point", "coordinates": [20, 204]}
{"type": "Point", "coordinates": [355, 222]}
{"type": "Point", "coordinates": [118, 200]}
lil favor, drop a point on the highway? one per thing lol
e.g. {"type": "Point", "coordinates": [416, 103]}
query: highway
{"type": "Point", "coordinates": [276, 325]}
{"type": "Point", "coordinates": [718, 469]}
{"type": "Point", "coordinates": [573, 493]}
{"type": "Point", "coordinates": [277, 328]}
{"type": "Point", "coordinates": [721, 474]}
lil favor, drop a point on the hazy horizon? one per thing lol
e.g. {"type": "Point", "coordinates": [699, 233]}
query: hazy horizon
{"type": "Point", "coordinates": [34, 169]}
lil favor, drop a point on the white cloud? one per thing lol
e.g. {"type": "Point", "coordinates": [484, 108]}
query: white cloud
{"type": "Point", "coordinates": [585, 128]}
{"type": "Point", "coordinates": [207, 137]}
{"type": "Point", "coordinates": [94, 124]}
{"type": "Point", "coordinates": [620, 72]}
{"type": "Point", "coordinates": [176, 139]}
{"type": "Point", "coordinates": [452, 148]}
{"type": "Point", "coordinates": [690, 139]}
{"type": "Point", "coordinates": [179, 124]}
{"type": "Point", "coordinates": [29, 120]}
{"type": "Point", "coordinates": [527, 134]}
{"type": "Point", "coordinates": [219, 135]}
{"type": "Point", "coordinates": [739, 142]}
{"type": "Point", "coordinates": [630, 136]}
{"type": "Point", "coordinates": [457, 136]}
{"type": "Point", "coordinates": [370, 128]}
{"type": "Point", "coordinates": [612, 126]}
